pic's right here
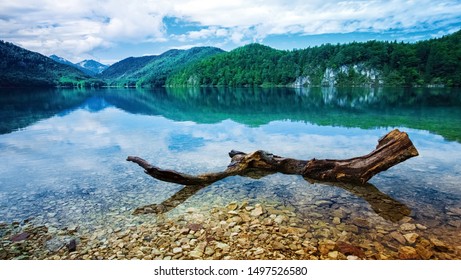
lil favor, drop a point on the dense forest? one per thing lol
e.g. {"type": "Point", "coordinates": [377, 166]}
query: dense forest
{"type": "Point", "coordinates": [152, 71]}
{"type": "Point", "coordinates": [22, 68]}
{"type": "Point", "coordinates": [433, 62]}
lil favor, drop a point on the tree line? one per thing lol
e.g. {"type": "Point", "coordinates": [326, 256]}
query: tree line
{"type": "Point", "coordinates": [425, 63]}
{"type": "Point", "coordinates": [434, 62]}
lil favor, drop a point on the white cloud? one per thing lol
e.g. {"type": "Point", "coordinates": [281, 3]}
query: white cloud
{"type": "Point", "coordinates": [204, 33]}
{"type": "Point", "coordinates": [76, 28]}
{"type": "Point", "coordinates": [315, 17]}
{"type": "Point", "coordinates": [237, 36]}
{"type": "Point", "coordinates": [187, 46]}
{"type": "Point", "coordinates": [55, 26]}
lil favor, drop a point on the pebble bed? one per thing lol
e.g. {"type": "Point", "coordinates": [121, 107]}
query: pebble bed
{"type": "Point", "coordinates": [238, 230]}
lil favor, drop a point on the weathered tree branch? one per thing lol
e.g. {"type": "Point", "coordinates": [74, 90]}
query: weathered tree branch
{"type": "Point", "coordinates": [351, 174]}
{"type": "Point", "coordinates": [393, 148]}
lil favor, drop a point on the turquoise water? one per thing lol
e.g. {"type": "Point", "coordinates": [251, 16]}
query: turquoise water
{"type": "Point", "coordinates": [63, 152]}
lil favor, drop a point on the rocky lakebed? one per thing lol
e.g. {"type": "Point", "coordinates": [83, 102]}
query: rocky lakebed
{"type": "Point", "coordinates": [237, 231]}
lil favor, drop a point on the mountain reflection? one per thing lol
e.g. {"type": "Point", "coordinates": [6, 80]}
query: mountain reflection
{"type": "Point", "coordinates": [435, 110]}
{"type": "Point", "coordinates": [20, 108]}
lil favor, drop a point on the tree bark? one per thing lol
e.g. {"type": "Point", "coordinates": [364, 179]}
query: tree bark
{"type": "Point", "coordinates": [393, 148]}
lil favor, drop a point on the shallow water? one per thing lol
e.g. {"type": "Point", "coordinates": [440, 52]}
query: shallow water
{"type": "Point", "coordinates": [63, 154]}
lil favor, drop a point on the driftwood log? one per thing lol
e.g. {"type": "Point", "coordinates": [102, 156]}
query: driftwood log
{"type": "Point", "coordinates": [350, 174]}
{"type": "Point", "coordinates": [393, 148]}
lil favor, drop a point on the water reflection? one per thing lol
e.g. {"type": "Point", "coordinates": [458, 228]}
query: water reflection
{"type": "Point", "coordinates": [66, 152]}
{"type": "Point", "coordinates": [20, 108]}
{"type": "Point", "coordinates": [436, 110]}
{"type": "Point", "coordinates": [172, 202]}
{"type": "Point", "coordinates": [383, 205]}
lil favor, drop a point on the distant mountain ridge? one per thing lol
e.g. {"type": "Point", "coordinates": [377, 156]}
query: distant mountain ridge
{"type": "Point", "coordinates": [431, 63]}
{"type": "Point", "coordinates": [23, 68]}
{"type": "Point", "coordinates": [93, 66]}
{"type": "Point", "coordinates": [125, 67]}
{"type": "Point", "coordinates": [89, 67]}
{"type": "Point", "coordinates": [61, 60]}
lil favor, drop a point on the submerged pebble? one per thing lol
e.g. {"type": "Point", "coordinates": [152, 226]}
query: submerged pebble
{"type": "Point", "coordinates": [233, 231]}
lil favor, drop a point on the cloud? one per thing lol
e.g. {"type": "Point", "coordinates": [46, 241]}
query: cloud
{"type": "Point", "coordinates": [235, 35]}
{"type": "Point", "coordinates": [203, 33]}
{"type": "Point", "coordinates": [77, 28]}
{"type": "Point", "coordinates": [56, 26]}
{"type": "Point", "coordinates": [317, 17]}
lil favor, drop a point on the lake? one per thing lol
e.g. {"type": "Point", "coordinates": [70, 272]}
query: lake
{"type": "Point", "coordinates": [64, 162]}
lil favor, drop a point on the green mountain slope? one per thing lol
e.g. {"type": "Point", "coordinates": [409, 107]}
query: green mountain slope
{"type": "Point", "coordinates": [126, 67]}
{"type": "Point", "coordinates": [22, 68]}
{"type": "Point", "coordinates": [431, 62]}
{"type": "Point", "coordinates": [253, 64]}
{"type": "Point", "coordinates": [152, 71]}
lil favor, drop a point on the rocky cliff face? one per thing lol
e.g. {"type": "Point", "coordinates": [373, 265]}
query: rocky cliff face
{"type": "Point", "coordinates": [352, 75]}
{"type": "Point", "coordinates": [329, 77]}
{"type": "Point", "coordinates": [302, 81]}
{"type": "Point", "coordinates": [347, 75]}
{"type": "Point", "coordinates": [193, 81]}
{"type": "Point", "coordinates": [356, 74]}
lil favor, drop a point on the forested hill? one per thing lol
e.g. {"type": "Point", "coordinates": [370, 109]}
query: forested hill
{"type": "Point", "coordinates": [125, 67]}
{"type": "Point", "coordinates": [152, 71]}
{"type": "Point", "coordinates": [432, 62]}
{"type": "Point", "coordinates": [22, 68]}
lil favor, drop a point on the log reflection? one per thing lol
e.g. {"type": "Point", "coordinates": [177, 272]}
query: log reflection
{"type": "Point", "coordinates": [171, 203]}
{"type": "Point", "coordinates": [384, 205]}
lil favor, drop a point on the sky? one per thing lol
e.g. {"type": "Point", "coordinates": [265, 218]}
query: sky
{"type": "Point", "coordinates": [110, 30]}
